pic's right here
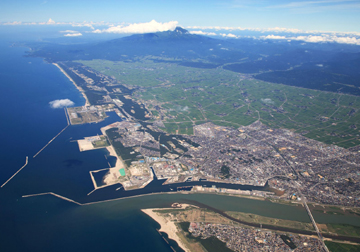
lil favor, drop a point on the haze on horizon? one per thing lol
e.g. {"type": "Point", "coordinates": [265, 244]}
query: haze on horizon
{"type": "Point", "coordinates": [319, 15]}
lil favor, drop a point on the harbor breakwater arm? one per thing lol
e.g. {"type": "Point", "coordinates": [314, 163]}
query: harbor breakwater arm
{"type": "Point", "coordinates": [26, 162]}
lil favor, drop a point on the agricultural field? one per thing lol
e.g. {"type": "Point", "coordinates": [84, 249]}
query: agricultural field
{"type": "Point", "coordinates": [342, 247]}
{"type": "Point", "coordinates": [182, 97]}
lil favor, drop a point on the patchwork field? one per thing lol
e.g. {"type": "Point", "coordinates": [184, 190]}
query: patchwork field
{"type": "Point", "coordinates": [182, 96]}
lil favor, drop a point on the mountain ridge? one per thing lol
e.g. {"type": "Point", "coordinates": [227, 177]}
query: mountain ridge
{"type": "Point", "coordinates": [178, 34]}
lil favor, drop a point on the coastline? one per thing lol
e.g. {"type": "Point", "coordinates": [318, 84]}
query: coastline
{"type": "Point", "coordinates": [166, 226]}
{"type": "Point", "coordinates": [113, 171]}
{"type": "Point", "coordinates": [87, 103]}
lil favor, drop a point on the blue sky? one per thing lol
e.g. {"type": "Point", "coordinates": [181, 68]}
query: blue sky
{"type": "Point", "coordinates": [325, 15]}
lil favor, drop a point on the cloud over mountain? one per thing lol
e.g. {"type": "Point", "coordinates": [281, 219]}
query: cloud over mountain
{"type": "Point", "coordinates": [148, 27]}
{"type": "Point", "coordinates": [61, 103]}
{"type": "Point", "coordinates": [50, 21]}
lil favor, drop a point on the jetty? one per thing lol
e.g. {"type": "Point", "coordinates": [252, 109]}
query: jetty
{"type": "Point", "coordinates": [26, 162]}
{"type": "Point", "coordinates": [54, 194]}
{"type": "Point", "coordinates": [50, 141]}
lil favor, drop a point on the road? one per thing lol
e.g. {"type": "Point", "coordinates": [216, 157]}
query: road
{"type": "Point", "coordinates": [303, 200]}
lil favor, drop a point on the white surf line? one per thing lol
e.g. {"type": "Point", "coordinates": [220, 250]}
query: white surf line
{"type": "Point", "coordinates": [54, 194]}
{"type": "Point", "coordinates": [26, 162]}
{"type": "Point", "coordinates": [50, 141]}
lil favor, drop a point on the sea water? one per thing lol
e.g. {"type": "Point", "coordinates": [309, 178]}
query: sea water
{"type": "Point", "coordinates": [28, 122]}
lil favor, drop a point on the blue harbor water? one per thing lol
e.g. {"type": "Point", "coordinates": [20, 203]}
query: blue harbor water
{"type": "Point", "coordinates": [47, 223]}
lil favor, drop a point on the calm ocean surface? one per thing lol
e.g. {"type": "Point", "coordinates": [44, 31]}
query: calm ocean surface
{"type": "Point", "coordinates": [46, 223]}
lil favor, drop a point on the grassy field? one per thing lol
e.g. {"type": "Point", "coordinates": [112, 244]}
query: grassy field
{"type": "Point", "coordinates": [100, 143]}
{"type": "Point", "coordinates": [253, 218]}
{"type": "Point", "coordinates": [342, 247]}
{"type": "Point", "coordinates": [346, 230]}
{"type": "Point", "coordinates": [184, 96]}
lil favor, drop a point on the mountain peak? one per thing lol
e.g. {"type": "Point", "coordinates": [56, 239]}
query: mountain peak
{"type": "Point", "coordinates": [181, 30]}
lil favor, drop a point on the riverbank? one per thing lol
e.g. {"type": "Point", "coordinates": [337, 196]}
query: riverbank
{"type": "Point", "coordinates": [87, 103]}
{"type": "Point", "coordinates": [167, 226]}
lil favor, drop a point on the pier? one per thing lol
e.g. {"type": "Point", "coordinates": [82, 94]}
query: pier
{"type": "Point", "coordinates": [26, 162]}
{"type": "Point", "coordinates": [54, 194]}
{"type": "Point", "coordinates": [50, 141]}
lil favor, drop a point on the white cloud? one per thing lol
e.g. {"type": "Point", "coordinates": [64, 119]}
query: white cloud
{"type": "Point", "coordinates": [322, 38]}
{"type": "Point", "coordinates": [272, 29]}
{"type": "Point", "coordinates": [203, 33]}
{"type": "Point", "coordinates": [61, 103]}
{"type": "Point", "coordinates": [275, 29]}
{"type": "Point", "coordinates": [13, 23]}
{"type": "Point", "coordinates": [69, 31]}
{"type": "Point", "coordinates": [73, 34]}
{"type": "Point", "coordinates": [50, 21]}
{"type": "Point", "coordinates": [151, 26]}
{"type": "Point", "coordinates": [229, 35]}
{"type": "Point", "coordinates": [307, 36]}
{"type": "Point", "coordinates": [90, 25]}
{"type": "Point", "coordinates": [281, 29]}
{"type": "Point", "coordinates": [273, 37]}
{"type": "Point", "coordinates": [216, 28]}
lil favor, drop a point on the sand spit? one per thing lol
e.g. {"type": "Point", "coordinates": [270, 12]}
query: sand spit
{"type": "Point", "coordinates": [112, 177]}
{"type": "Point", "coordinates": [87, 103]}
{"type": "Point", "coordinates": [167, 226]}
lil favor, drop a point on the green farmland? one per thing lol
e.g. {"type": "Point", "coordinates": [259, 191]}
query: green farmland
{"type": "Point", "coordinates": [183, 96]}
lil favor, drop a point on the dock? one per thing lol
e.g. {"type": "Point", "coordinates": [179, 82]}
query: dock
{"type": "Point", "coordinates": [50, 141]}
{"type": "Point", "coordinates": [54, 194]}
{"type": "Point", "coordinates": [26, 162]}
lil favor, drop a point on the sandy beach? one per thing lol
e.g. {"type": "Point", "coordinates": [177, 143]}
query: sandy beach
{"type": "Point", "coordinates": [87, 103]}
{"type": "Point", "coordinates": [167, 226]}
{"type": "Point", "coordinates": [114, 174]}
